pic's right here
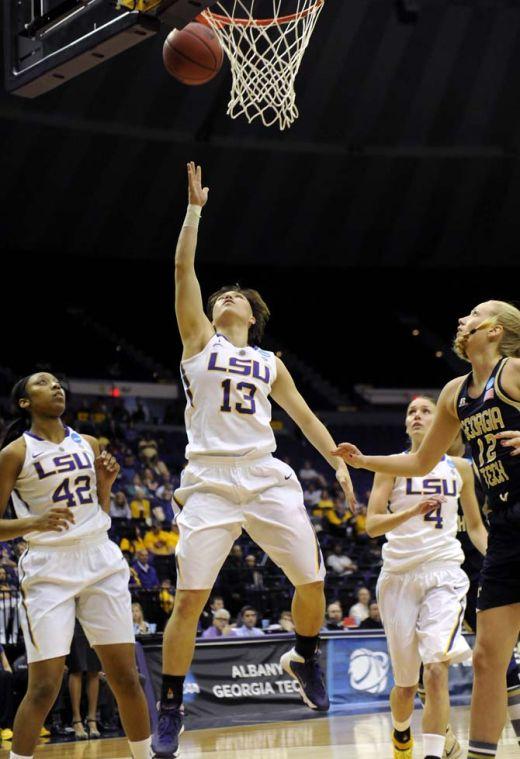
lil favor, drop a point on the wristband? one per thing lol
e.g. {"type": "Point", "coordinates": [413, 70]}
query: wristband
{"type": "Point", "coordinates": [192, 217]}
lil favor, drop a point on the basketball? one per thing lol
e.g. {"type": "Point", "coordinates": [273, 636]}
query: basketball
{"type": "Point", "coordinates": [193, 55]}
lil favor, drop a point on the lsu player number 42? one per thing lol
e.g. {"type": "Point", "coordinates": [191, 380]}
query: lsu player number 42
{"type": "Point", "coordinates": [485, 404]}
{"type": "Point", "coordinates": [60, 485]}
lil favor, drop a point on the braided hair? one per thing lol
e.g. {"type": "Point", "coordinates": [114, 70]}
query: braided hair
{"type": "Point", "coordinates": [22, 421]}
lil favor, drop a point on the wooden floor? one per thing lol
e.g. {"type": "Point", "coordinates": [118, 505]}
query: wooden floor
{"type": "Point", "coordinates": [361, 737]}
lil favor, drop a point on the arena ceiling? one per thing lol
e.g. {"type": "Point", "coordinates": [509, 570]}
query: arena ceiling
{"type": "Point", "coordinates": [406, 151]}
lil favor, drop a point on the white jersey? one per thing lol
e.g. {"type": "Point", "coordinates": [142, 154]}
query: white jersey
{"type": "Point", "coordinates": [432, 537]}
{"type": "Point", "coordinates": [228, 412]}
{"type": "Point", "coordinates": [59, 474]}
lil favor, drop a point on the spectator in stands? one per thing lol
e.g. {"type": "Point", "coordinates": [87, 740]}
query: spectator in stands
{"type": "Point", "coordinates": [160, 542]}
{"type": "Point", "coordinates": [215, 603]}
{"type": "Point", "coordinates": [120, 414]}
{"type": "Point", "coordinates": [337, 521]}
{"type": "Point", "coordinates": [248, 628]}
{"type": "Point", "coordinates": [119, 508]}
{"type": "Point", "coordinates": [146, 573]}
{"type": "Point", "coordinates": [162, 508]}
{"type": "Point", "coordinates": [308, 474]}
{"type": "Point", "coordinates": [6, 697]}
{"type": "Point", "coordinates": [286, 622]}
{"type": "Point", "coordinates": [334, 616]}
{"type": "Point", "coordinates": [83, 659]}
{"type": "Point", "coordinates": [167, 596]}
{"type": "Point", "coordinates": [373, 621]}
{"type": "Point", "coordinates": [141, 626]}
{"type": "Point", "coordinates": [150, 481]}
{"type": "Point", "coordinates": [166, 485]}
{"type": "Point", "coordinates": [134, 541]}
{"type": "Point", "coordinates": [324, 504]}
{"type": "Point", "coordinates": [360, 523]}
{"type": "Point", "coordinates": [311, 496]}
{"type": "Point", "coordinates": [339, 562]}
{"type": "Point", "coordinates": [253, 576]}
{"type": "Point", "coordinates": [148, 449]}
{"type": "Point", "coordinates": [360, 610]}
{"type": "Point", "coordinates": [140, 507]}
{"type": "Point", "coordinates": [128, 466]}
{"type": "Point", "coordinates": [136, 488]}
{"type": "Point", "coordinates": [220, 626]}
{"type": "Point", "coordinates": [140, 413]}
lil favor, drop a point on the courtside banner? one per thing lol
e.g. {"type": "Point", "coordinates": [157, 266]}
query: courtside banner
{"type": "Point", "coordinates": [241, 682]}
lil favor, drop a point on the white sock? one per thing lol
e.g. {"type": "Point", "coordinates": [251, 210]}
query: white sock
{"type": "Point", "coordinates": [433, 745]}
{"type": "Point", "coordinates": [141, 749]}
{"type": "Point", "coordinates": [402, 726]}
{"type": "Point", "coordinates": [12, 755]}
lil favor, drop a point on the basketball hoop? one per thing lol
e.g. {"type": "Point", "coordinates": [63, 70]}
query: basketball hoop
{"type": "Point", "coordinates": [265, 55]}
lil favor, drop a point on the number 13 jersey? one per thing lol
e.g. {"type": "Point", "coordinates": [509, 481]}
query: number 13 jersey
{"type": "Point", "coordinates": [228, 412]}
{"type": "Point", "coordinates": [61, 475]}
{"type": "Point", "coordinates": [430, 537]}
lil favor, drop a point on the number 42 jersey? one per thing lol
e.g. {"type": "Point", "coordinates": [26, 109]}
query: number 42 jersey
{"type": "Point", "coordinates": [431, 537]}
{"type": "Point", "coordinates": [60, 475]}
{"type": "Point", "coordinates": [228, 412]}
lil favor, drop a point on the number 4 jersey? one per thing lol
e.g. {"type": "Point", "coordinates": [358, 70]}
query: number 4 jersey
{"type": "Point", "coordinates": [431, 537]}
{"type": "Point", "coordinates": [59, 474]}
{"type": "Point", "coordinates": [228, 412]}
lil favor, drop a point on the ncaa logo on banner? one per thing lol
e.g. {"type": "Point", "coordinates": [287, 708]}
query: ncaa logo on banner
{"type": "Point", "coordinates": [368, 670]}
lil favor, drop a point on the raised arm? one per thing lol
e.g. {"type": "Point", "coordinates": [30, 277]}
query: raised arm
{"type": "Point", "coordinates": [286, 394]}
{"type": "Point", "coordinates": [380, 520]}
{"type": "Point", "coordinates": [468, 500]}
{"type": "Point", "coordinates": [194, 326]}
{"type": "Point", "coordinates": [54, 519]}
{"type": "Point", "coordinates": [438, 439]}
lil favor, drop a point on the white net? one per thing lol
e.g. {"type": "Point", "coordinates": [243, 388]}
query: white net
{"type": "Point", "coordinates": [265, 55]}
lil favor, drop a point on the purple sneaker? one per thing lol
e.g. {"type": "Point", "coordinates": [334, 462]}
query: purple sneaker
{"type": "Point", "coordinates": [310, 677]}
{"type": "Point", "coordinates": [165, 740]}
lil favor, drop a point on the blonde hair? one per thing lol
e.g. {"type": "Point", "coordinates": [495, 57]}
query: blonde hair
{"type": "Point", "coordinates": [508, 317]}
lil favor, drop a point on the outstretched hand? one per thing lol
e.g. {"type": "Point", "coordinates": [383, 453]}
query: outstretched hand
{"type": "Point", "coordinates": [350, 454]}
{"type": "Point", "coordinates": [197, 194]}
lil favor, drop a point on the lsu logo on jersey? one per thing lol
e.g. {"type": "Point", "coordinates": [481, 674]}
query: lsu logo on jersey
{"type": "Point", "coordinates": [69, 462]}
{"type": "Point", "coordinates": [431, 486]}
{"type": "Point", "coordinates": [245, 367]}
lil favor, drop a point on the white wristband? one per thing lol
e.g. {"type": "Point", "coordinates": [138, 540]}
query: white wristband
{"type": "Point", "coordinates": [192, 218]}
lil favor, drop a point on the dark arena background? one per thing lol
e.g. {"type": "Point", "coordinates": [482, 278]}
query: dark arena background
{"type": "Point", "coordinates": [386, 212]}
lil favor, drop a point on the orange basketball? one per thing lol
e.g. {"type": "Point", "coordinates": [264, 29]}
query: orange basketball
{"type": "Point", "coordinates": [193, 55]}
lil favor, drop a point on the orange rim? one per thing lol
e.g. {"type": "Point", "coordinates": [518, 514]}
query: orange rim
{"type": "Point", "coordinates": [221, 20]}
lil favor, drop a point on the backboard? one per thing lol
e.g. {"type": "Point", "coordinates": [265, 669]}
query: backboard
{"type": "Point", "coordinates": [48, 42]}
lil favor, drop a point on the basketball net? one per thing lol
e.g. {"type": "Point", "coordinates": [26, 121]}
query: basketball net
{"type": "Point", "coordinates": [265, 56]}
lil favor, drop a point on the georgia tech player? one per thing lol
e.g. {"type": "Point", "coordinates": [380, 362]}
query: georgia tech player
{"type": "Point", "coordinates": [60, 486]}
{"type": "Point", "coordinates": [232, 482]}
{"type": "Point", "coordinates": [422, 589]}
{"type": "Point", "coordinates": [486, 405]}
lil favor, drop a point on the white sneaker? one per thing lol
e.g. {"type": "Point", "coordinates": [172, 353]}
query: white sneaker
{"type": "Point", "coordinates": [452, 748]}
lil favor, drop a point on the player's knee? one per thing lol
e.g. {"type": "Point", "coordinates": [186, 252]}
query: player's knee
{"type": "Point", "coordinates": [435, 676]}
{"type": "Point", "coordinates": [405, 692]}
{"type": "Point", "coordinates": [311, 588]}
{"type": "Point", "coordinates": [483, 659]}
{"type": "Point", "coordinates": [123, 681]}
{"type": "Point", "coordinates": [189, 603]}
{"type": "Point", "coordinates": [43, 692]}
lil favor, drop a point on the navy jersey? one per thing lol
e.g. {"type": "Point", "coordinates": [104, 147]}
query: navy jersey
{"type": "Point", "coordinates": [481, 419]}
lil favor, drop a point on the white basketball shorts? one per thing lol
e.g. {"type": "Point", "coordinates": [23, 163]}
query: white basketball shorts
{"type": "Point", "coordinates": [87, 579]}
{"type": "Point", "coordinates": [422, 613]}
{"type": "Point", "coordinates": [220, 497]}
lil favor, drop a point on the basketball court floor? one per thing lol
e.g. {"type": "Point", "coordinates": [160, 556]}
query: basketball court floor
{"type": "Point", "coordinates": [360, 737]}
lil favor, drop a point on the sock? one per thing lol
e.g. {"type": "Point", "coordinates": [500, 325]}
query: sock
{"type": "Point", "coordinates": [402, 731]}
{"type": "Point", "coordinates": [513, 696]}
{"type": "Point", "coordinates": [433, 745]}
{"type": "Point", "coordinates": [141, 749]}
{"type": "Point", "coordinates": [12, 755]}
{"type": "Point", "coordinates": [479, 750]}
{"type": "Point", "coordinates": [172, 690]}
{"type": "Point", "coordinates": [306, 645]}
